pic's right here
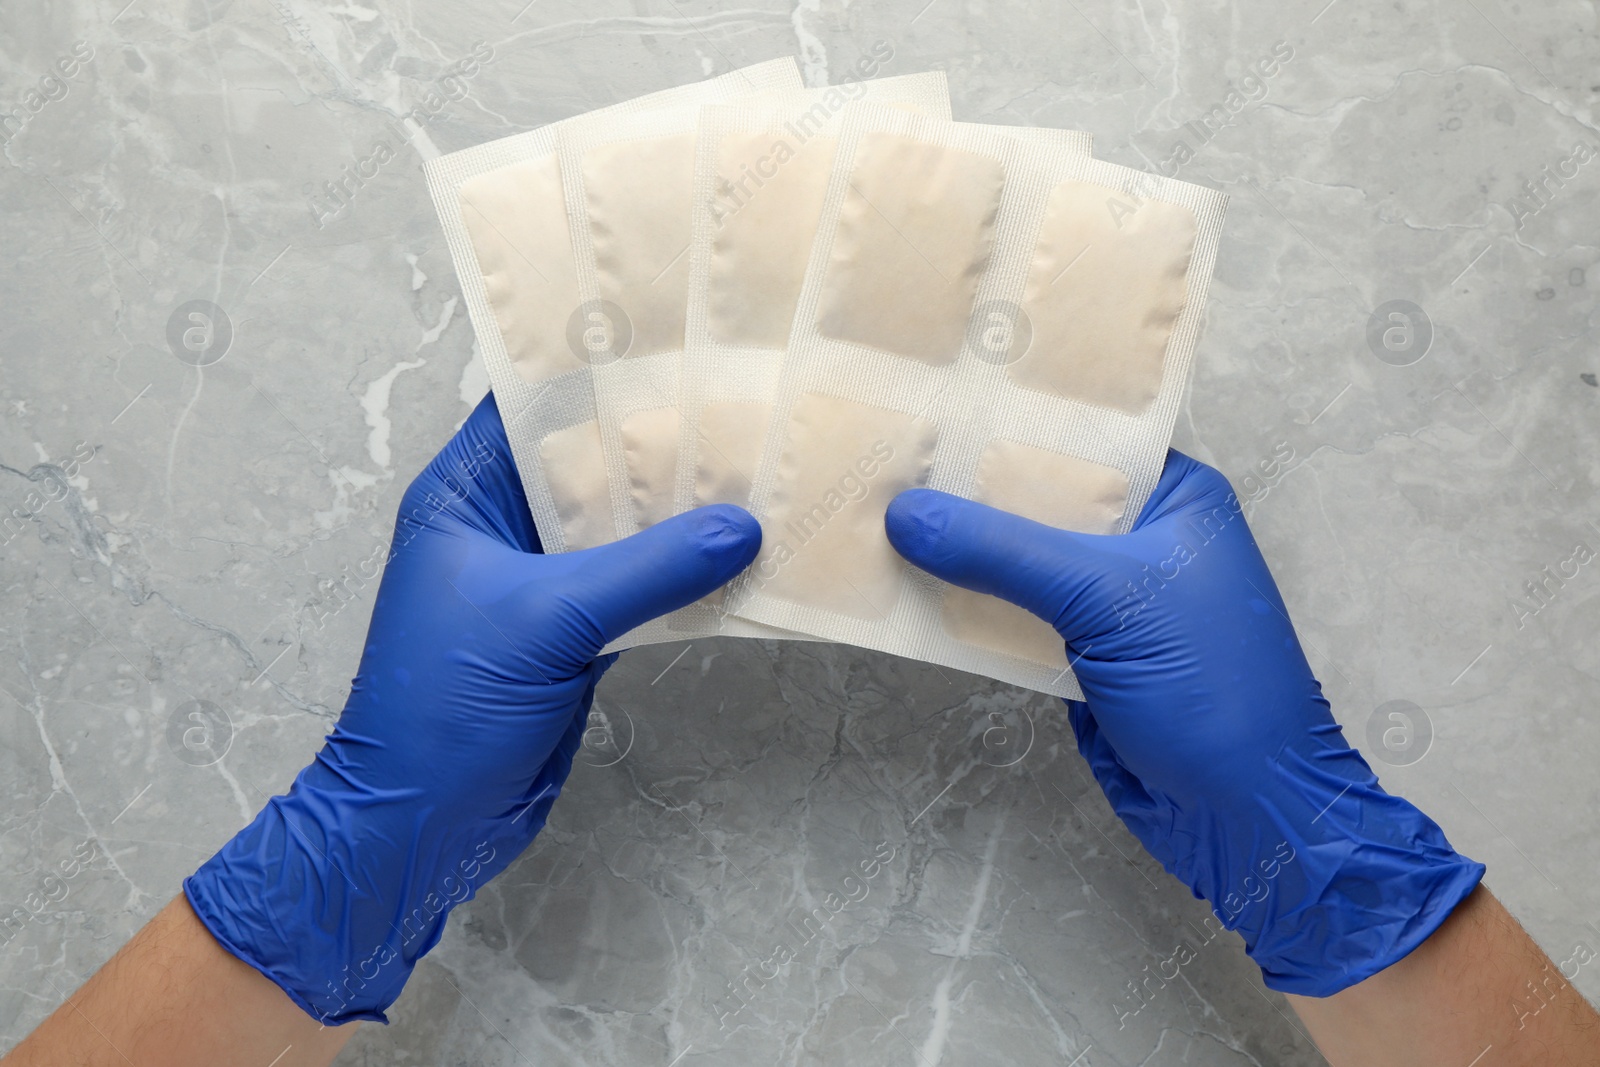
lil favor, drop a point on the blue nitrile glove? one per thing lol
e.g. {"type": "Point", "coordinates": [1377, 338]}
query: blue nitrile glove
{"type": "Point", "coordinates": [460, 728]}
{"type": "Point", "coordinates": [1205, 727]}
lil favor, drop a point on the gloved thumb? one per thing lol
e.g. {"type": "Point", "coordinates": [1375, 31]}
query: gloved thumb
{"type": "Point", "coordinates": [1048, 571]}
{"type": "Point", "coordinates": [609, 590]}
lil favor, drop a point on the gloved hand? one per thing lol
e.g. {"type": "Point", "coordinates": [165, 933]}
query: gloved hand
{"type": "Point", "coordinates": [1205, 727]}
{"type": "Point", "coordinates": [471, 700]}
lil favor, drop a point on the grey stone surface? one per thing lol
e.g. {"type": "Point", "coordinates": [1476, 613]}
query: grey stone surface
{"type": "Point", "coordinates": [187, 553]}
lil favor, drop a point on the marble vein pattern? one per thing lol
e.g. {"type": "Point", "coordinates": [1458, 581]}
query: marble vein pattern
{"type": "Point", "coordinates": [781, 853]}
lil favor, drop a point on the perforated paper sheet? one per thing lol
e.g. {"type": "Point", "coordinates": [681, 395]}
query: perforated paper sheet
{"type": "Point", "coordinates": [632, 193]}
{"type": "Point", "coordinates": [935, 344]}
{"type": "Point", "coordinates": [503, 214]}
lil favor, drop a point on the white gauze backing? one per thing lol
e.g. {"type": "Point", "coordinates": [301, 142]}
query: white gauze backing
{"type": "Point", "coordinates": [987, 315]}
{"type": "Point", "coordinates": [761, 175]}
{"type": "Point", "coordinates": [503, 213]}
{"type": "Point", "coordinates": [629, 184]}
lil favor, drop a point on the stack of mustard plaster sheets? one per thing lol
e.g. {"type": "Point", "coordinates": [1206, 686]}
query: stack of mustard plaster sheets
{"type": "Point", "coordinates": [803, 301]}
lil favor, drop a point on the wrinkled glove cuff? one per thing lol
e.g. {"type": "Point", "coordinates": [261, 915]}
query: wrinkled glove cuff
{"type": "Point", "coordinates": [293, 896]}
{"type": "Point", "coordinates": [1372, 935]}
{"type": "Point", "coordinates": [1371, 878]}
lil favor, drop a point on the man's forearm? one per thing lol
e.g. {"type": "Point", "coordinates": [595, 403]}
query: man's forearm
{"type": "Point", "coordinates": [173, 997]}
{"type": "Point", "coordinates": [1478, 992]}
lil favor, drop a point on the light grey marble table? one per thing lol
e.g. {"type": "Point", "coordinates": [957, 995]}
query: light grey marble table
{"type": "Point", "coordinates": [177, 534]}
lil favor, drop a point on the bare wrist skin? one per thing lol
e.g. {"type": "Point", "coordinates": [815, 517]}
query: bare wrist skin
{"type": "Point", "coordinates": [173, 996]}
{"type": "Point", "coordinates": [1479, 992]}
